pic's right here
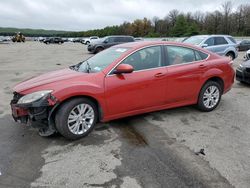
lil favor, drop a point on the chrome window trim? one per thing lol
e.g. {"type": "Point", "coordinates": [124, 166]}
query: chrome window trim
{"type": "Point", "coordinates": [109, 73]}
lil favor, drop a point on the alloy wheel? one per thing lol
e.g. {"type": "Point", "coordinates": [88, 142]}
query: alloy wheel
{"type": "Point", "coordinates": [211, 96]}
{"type": "Point", "coordinates": [81, 118]}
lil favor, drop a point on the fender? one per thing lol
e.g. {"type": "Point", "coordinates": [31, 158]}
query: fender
{"type": "Point", "coordinates": [97, 46]}
{"type": "Point", "coordinates": [88, 90]}
{"type": "Point", "coordinates": [211, 73]}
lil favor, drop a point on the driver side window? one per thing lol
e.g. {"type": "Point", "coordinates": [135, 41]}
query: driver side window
{"type": "Point", "coordinates": [147, 58]}
{"type": "Point", "coordinates": [209, 42]}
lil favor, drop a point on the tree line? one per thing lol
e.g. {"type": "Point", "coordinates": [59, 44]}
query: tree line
{"type": "Point", "coordinates": [226, 20]}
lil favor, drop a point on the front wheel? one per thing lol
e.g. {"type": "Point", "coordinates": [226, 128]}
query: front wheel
{"type": "Point", "coordinates": [230, 55]}
{"type": "Point", "coordinates": [209, 96]}
{"type": "Point", "coordinates": [76, 118]}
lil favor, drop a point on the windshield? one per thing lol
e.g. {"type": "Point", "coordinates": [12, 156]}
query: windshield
{"type": "Point", "coordinates": [100, 61]}
{"type": "Point", "coordinates": [196, 40]}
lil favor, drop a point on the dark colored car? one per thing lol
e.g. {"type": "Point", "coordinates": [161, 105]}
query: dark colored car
{"type": "Point", "coordinates": [53, 40]}
{"type": "Point", "coordinates": [243, 72]}
{"type": "Point", "coordinates": [121, 81]}
{"type": "Point", "coordinates": [244, 45]}
{"type": "Point", "coordinates": [106, 42]}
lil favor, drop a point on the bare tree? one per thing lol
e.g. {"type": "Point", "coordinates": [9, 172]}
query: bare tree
{"type": "Point", "coordinates": [173, 14]}
{"type": "Point", "coordinates": [227, 9]}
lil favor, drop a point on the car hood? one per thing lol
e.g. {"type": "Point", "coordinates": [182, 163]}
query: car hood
{"type": "Point", "coordinates": [246, 64]}
{"type": "Point", "coordinates": [48, 78]}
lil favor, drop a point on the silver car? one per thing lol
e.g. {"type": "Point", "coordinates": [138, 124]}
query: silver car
{"type": "Point", "coordinates": [220, 44]}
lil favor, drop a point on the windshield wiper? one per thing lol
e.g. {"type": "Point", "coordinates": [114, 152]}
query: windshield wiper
{"type": "Point", "coordinates": [88, 68]}
{"type": "Point", "coordinates": [76, 67]}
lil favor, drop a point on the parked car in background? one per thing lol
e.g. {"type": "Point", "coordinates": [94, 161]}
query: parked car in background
{"type": "Point", "coordinates": [2, 39]}
{"type": "Point", "coordinates": [87, 41]}
{"type": "Point", "coordinates": [244, 45]}
{"type": "Point", "coordinates": [107, 42]}
{"type": "Point", "coordinates": [224, 45]}
{"type": "Point", "coordinates": [138, 39]}
{"type": "Point", "coordinates": [77, 40]}
{"type": "Point", "coordinates": [243, 72]}
{"type": "Point", "coordinates": [124, 80]}
{"type": "Point", "coordinates": [65, 39]}
{"type": "Point", "coordinates": [53, 40]}
{"type": "Point", "coordinates": [247, 55]}
{"type": "Point", "coordinates": [41, 39]}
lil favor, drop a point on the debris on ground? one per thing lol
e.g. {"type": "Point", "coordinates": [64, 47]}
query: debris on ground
{"type": "Point", "coordinates": [202, 151]}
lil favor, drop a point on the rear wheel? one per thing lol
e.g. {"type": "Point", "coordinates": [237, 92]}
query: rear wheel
{"type": "Point", "coordinates": [209, 96]}
{"type": "Point", "coordinates": [76, 118]}
{"type": "Point", "coordinates": [99, 49]}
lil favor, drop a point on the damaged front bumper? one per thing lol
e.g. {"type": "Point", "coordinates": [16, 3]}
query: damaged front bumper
{"type": "Point", "coordinates": [38, 113]}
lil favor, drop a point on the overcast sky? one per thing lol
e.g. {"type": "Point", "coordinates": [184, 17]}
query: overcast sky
{"type": "Point", "coordinates": [76, 15]}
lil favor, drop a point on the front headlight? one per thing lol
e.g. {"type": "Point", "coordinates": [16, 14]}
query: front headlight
{"type": "Point", "coordinates": [29, 98]}
{"type": "Point", "coordinates": [240, 67]}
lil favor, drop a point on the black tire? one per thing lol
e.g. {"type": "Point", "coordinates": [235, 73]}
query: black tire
{"type": "Point", "coordinates": [61, 118]}
{"type": "Point", "coordinates": [98, 49]}
{"type": "Point", "coordinates": [87, 42]}
{"type": "Point", "coordinates": [200, 104]}
{"type": "Point", "coordinates": [231, 55]}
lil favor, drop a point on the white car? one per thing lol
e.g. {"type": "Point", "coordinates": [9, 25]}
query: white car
{"type": "Point", "coordinates": [89, 40]}
{"type": "Point", "coordinates": [247, 55]}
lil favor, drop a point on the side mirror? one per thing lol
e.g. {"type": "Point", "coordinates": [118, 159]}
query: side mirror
{"type": "Point", "coordinates": [123, 68]}
{"type": "Point", "coordinates": [105, 42]}
{"type": "Point", "coordinates": [204, 45]}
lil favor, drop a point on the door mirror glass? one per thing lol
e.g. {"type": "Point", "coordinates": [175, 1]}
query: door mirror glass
{"type": "Point", "coordinates": [123, 68]}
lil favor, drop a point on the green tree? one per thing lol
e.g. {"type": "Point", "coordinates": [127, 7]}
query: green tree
{"type": "Point", "coordinates": [192, 30]}
{"type": "Point", "coordinates": [180, 27]}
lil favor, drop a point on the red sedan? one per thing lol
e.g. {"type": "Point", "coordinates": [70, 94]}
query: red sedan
{"type": "Point", "coordinates": [122, 81]}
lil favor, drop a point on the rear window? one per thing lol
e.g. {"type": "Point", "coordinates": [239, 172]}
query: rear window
{"type": "Point", "coordinates": [129, 39]}
{"type": "Point", "coordinates": [196, 40]}
{"type": "Point", "coordinates": [220, 41]}
{"type": "Point", "coordinates": [200, 55]}
{"type": "Point", "coordinates": [232, 40]}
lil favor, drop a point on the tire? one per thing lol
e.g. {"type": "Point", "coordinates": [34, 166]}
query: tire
{"type": "Point", "coordinates": [87, 43]}
{"type": "Point", "coordinates": [230, 55]}
{"type": "Point", "coordinates": [207, 105]}
{"type": "Point", "coordinates": [98, 49]}
{"type": "Point", "coordinates": [66, 118]}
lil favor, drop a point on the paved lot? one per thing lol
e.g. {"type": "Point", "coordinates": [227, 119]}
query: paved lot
{"type": "Point", "coordinates": [151, 150]}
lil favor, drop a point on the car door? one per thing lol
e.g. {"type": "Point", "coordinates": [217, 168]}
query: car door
{"type": "Point", "coordinates": [118, 40]}
{"type": "Point", "coordinates": [210, 42]}
{"type": "Point", "coordinates": [144, 88]}
{"type": "Point", "coordinates": [184, 71]}
{"type": "Point", "coordinates": [220, 45]}
{"type": "Point", "coordinates": [109, 42]}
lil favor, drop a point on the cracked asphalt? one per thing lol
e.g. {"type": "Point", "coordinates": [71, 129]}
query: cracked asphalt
{"type": "Point", "coordinates": [151, 150]}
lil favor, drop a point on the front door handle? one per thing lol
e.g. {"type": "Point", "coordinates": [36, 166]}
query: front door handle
{"type": "Point", "coordinates": [160, 74]}
{"type": "Point", "coordinates": [202, 66]}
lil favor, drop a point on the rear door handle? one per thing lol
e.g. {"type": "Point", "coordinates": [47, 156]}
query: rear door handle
{"type": "Point", "coordinates": [160, 74]}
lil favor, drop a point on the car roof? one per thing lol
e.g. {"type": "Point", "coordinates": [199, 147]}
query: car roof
{"type": "Point", "coordinates": [141, 44]}
{"type": "Point", "coordinates": [211, 36]}
{"type": "Point", "coordinates": [119, 36]}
